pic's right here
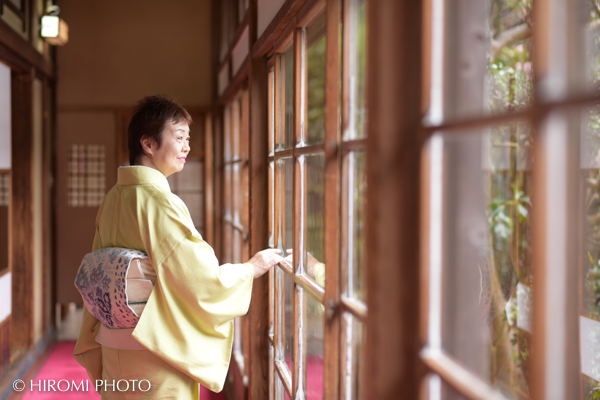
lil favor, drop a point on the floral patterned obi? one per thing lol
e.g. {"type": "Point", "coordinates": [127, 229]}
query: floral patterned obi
{"type": "Point", "coordinates": [102, 280]}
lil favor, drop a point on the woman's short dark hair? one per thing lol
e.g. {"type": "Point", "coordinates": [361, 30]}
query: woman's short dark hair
{"type": "Point", "coordinates": [151, 116]}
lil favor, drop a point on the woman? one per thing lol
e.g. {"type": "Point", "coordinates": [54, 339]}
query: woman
{"type": "Point", "coordinates": [185, 332]}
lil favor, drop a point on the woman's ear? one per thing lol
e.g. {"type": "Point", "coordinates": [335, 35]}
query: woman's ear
{"type": "Point", "coordinates": [148, 144]}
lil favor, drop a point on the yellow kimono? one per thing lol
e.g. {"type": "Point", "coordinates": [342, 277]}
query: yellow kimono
{"type": "Point", "coordinates": [188, 320]}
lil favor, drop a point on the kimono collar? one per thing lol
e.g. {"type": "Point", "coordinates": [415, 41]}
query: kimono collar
{"type": "Point", "coordinates": [139, 175]}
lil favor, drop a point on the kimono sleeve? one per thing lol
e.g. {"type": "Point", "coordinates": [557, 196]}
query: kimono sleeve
{"type": "Point", "coordinates": [188, 320]}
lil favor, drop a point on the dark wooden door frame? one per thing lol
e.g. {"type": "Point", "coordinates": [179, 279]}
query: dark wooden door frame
{"type": "Point", "coordinates": [21, 200]}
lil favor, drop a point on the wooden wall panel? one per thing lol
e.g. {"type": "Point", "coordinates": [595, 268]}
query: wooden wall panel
{"type": "Point", "coordinates": [75, 225]}
{"type": "Point", "coordinates": [116, 56]}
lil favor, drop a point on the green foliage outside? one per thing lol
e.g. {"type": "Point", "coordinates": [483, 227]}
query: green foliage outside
{"type": "Point", "coordinates": [510, 88]}
{"type": "Point", "coordinates": [591, 186]}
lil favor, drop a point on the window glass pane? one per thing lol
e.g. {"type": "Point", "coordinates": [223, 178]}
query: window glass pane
{"type": "Point", "coordinates": [271, 105]}
{"type": "Point", "coordinates": [271, 183]}
{"type": "Point", "coordinates": [244, 213]}
{"type": "Point", "coordinates": [227, 215]}
{"type": "Point", "coordinates": [590, 178]}
{"type": "Point", "coordinates": [486, 258]}
{"type": "Point", "coordinates": [351, 360]}
{"type": "Point", "coordinates": [237, 246]}
{"type": "Point", "coordinates": [510, 70]}
{"type": "Point", "coordinates": [589, 320]}
{"type": "Point", "coordinates": [356, 199]}
{"type": "Point", "coordinates": [357, 67]}
{"type": "Point", "coordinates": [315, 93]}
{"type": "Point", "coordinates": [227, 192]}
{"type": "Point", "coordinates": [289, 320]}
{"type": "Point", "coordinates": [286, 98]}
{"type": "Point", "coordinates": [227, 243]}
{"type": "Point", "coordinates": [4, 228]}
{"type": "Point", "coordinates": [227, 142]}
{"type": "Point", "coordinates": [315, 217]}
{"type": "Point", "coordinates": [237, 189]}
{"type": "Point", "coordinates": [236, 119]}
{"type": "Point", "coordinates": [286, 188]}
{"type": "Point", "coordinates": [280, 392]}
{"type": "Point", "coordinates": [314, 353]}
{"type": "Point", "coordinates": [592, 36]}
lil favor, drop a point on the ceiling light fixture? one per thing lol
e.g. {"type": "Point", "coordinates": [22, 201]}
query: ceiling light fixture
{"type": "Point", "coordinates": [54, 29]}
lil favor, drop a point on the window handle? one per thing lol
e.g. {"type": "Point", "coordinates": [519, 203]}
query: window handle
{"type": "Point", "coordinates": [330, 309]}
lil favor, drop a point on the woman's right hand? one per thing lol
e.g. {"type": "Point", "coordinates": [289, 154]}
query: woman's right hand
{"type": "Point", "coordinates": [264, 260]}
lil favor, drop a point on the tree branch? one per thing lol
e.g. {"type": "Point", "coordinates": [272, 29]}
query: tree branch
{"type": "Point", "coordinates": [523, 31]}
{"type": "Point", "coordinates": [596, 8]}
{"type": "Point", "coordinates": [509, 36]}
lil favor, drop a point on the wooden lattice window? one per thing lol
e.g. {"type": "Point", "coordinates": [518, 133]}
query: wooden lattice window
{"type": "Point", "coordinates": [236, 206]}
{"type": "Point", "coordinates": [317, 169]}
{"type": "Point", "coordinates": [87, 171]}
{"type": "Point", "coordinates": [505, 168]}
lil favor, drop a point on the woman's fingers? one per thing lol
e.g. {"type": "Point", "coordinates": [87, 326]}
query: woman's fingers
{"type": "Point", "coordinates": [265, 260]}
{"type": "Point", "coordinates": [277, 260]}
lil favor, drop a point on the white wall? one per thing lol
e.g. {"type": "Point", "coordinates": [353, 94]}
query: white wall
{"type": "Point", "coordinates": [267, 9]}
{"type": "Point", "coordinates": [5, 123]}
{"type": "Point", "coordinates": [5, 296]}
{"type": "Point", "coordinates": [239, 53]}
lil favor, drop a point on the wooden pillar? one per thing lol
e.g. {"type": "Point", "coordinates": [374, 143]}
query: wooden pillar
{"type": "Point", "coordinates": [393, 369]}
{"type": "Point", "coordinates": [258, 370]}
{"type": "Point", "coordinates": [21, 201]}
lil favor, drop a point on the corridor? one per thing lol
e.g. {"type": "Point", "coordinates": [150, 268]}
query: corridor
{"type": "Point", "coordinates": [421, 177]}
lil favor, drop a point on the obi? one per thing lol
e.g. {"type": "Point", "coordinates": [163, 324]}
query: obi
{"type": "Point", "coordinates": [114, 286]}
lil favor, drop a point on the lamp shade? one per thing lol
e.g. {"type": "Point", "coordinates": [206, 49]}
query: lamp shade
{"type": "Point", "coordinates": [55, 30]}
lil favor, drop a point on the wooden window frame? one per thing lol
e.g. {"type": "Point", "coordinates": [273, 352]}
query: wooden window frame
{"type": "Point", "coordinates": [237, 141]}
{"type": "Point", "coordinates": [339, 307]}
{"type": "Point", "coordinates": [20, 12]}
{"type": "Point", "coordinates": [555, 337]}
{"type": "Point", "coordinates": [399, 356]}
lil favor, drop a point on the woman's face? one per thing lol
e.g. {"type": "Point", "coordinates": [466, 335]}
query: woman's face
{"type": "Point", "coordinates": [171, 155]}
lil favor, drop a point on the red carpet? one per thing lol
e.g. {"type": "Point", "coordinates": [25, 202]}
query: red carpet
{"type": "Point", "coordinates": [314, 377]}
{"type": "Point", "coordinates": [61, 365]}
